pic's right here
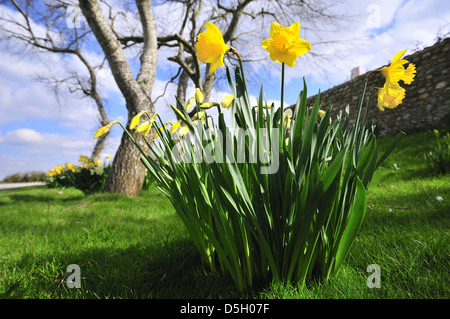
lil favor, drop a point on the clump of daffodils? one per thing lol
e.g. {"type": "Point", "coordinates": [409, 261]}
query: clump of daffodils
{"type": "Point", "coordinates": [290, 223]}
{"type": "Point", "coordinates": [87, 175]}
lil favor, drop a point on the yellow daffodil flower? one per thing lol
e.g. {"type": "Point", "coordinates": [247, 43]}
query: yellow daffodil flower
{"type": "Point", "coordinates": [227, 101]}
{"type": "Point", "coordinates": [396, 72]}
{"type": "Point", "coordinates": [105, 129]}
{"type": "Point", "coordinates": [284, 44]}
{"type": "Point", "coordinates": [391, 94]}
{"type": "Point", "coordinates": [211, 47]}
{"type": "Point", "coordinates": [392, 99]}
{"type": "Point", "coordinates": [409, 74]}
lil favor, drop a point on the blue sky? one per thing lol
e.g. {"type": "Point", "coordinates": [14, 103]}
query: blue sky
{"type": "Point", "coordinates": [37, 132]}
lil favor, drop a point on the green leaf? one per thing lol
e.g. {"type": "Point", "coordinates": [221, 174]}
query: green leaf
{"type": "Point", "coordinates": [391, 147]}
{"type": "Point", "coordinates": [332, 170]}
{"type": "Point", "coordinates": [354, 220]}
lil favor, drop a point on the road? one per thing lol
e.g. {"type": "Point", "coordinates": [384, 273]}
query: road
{"type": "Point", "coordinates": [18, 185]}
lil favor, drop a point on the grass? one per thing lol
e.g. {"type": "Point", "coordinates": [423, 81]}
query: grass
{"type": "Point", "coordinates": [138, 247]}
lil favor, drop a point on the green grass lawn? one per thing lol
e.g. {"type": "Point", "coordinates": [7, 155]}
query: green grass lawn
{"type": "Point", "coordinates": [139, 248]}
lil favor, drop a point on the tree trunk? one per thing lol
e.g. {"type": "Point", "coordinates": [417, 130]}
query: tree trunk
{"type": "Point", "coordinates": [208, 83]}
{"type": "Point", "coordinates": [182, 85]}
{"type": "Point", "coordinates": [104, 120]}
{"type": "Point", "coordinates": [127, 172]}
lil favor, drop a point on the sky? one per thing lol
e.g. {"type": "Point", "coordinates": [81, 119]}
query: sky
{"type": "Point", "coordinates": [39, 129]}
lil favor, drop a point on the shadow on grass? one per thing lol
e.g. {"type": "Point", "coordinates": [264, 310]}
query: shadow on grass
{"type": "Point", "coordinates": [29, 199]}
{"type": "Point", "coordinates": [138, 272]}
{"type": "Point", "coordinates": [37, 194]}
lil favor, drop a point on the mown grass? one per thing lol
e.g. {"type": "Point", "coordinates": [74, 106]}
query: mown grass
{"type": "Point", "coordinates": [138, 247]}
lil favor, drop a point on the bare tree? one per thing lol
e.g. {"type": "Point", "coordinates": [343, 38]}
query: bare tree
{"type": "Point", "coordinates": [315, 15]}
{"type": "Point", "coordinates": [127, 172]}
{"type": "Point", "coordinates": [58, 39]}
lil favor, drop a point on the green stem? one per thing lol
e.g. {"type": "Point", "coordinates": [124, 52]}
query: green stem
{"type": "Point", "coordinates": [282, 85]}
{"type": "Point", "coordinates": [132, 139]}
{"type": "Point", "coordinates": [282, 143]}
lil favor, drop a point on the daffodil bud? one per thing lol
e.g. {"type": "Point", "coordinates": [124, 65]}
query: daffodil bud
{"type": "Point", "coordinates": [178, 112]}
{"type": "Point", "coordinates": [207, 105]}
{"type": "Point", "coordinates": [161, 129]}
{"type": "Point", "coordinates": [183, 131]}
{"type": "Point", "coordinates": [175, 127]}
{"type": "Point", "coordinates": [199, 97]}
{"type": "Point", "coordinates": [198, 115]}
{"type": "Point", "coordinates": [105, 129]}
{"type": "Point", "coordinates": [136, 119]}
{"type": "Point", "coordinates": [227, 101]}
{"type": "Point", "coordinates": [190, 103]}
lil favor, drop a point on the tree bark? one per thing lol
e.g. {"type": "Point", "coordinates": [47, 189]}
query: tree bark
{"type": "Point", "coordinates": [127, 172]}
{"type": "Point", "coordinates": [208, 83]}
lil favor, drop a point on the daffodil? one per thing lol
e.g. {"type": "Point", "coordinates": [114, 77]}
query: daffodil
{"type": "Point", "coordinates": [396, 72]}
{"type": "Point", "coordinates": [190, 103]}
{"type": "Point", "coordinates": [287, 117]}
{"type": "Point", "coordinates": [199, 97]}
{"type": "Point", "coordinates": [175, 127]}
{"type": "Point", "coordinates": [161, 129]}
{"type": "Point", "coordinates": [178, 112]}
{"type": "Point", "coordinates": [392, 99]}
{"type": "Point", "coordinates": [409, 74]}
{"type": "Point", "coordinates": [198, 115]}
{"type": "Point", "coordinates": [391, 94]}
{"type": "Point", "coordinates": [207, 105]}
{"type": "Point", "coordinates": [284, 44]}
{"type": "Point", "coordinates": [227, 101]}
{"type": "Point", "coordinates": [104, 129]}
{"type": "Point", "coordinates": [211, 47]}
{"type": "Point", "coordinates": [146, 126]}
{"type": "Point", "coordinates": [136, 119]}
{"type": "Point", "coordinates": [183, 131]}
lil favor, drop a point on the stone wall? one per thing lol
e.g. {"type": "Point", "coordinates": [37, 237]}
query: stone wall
{"type": "Point", "coordinates": [427, 99]}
